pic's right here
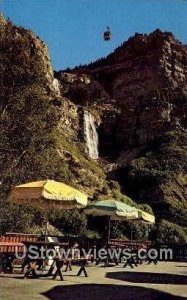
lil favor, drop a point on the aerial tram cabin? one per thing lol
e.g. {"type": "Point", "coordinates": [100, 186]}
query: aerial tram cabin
{"type": "Point", "coordinates": [107, 34]}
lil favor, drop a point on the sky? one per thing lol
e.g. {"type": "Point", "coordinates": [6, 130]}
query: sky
{"type": "Point", "coordinates": [73, 29]}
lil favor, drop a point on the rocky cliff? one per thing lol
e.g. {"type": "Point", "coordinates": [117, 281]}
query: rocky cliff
{"type": "Point", "coordinates": [115, 128]}
{"type": "Point", "coordinates": [139, 94]}
{"type": "Point", "coordinates": [143, 83]}
{"type": "Point", "coordinates": [17, 43]}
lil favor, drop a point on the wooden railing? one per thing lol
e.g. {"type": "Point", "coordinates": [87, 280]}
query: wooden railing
{"type": "Point", "coordinates": [179, 250]}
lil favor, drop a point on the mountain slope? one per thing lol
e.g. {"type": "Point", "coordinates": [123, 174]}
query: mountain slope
{"type": "Point", "coordinates": [135, 99]}
{"type": "Point", "coordinates": [142, 105]}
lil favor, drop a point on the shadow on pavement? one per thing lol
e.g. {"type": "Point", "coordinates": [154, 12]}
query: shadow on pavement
{"type": "Point", "coordinates": [147, 277]}
{"type": "Point", "coordinates": [106, 292]}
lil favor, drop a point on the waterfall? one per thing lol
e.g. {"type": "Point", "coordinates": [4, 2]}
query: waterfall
{"type": "Point", "coordinates": [91, 135]}
{"type": "Point", "coordinates": [56, 86]}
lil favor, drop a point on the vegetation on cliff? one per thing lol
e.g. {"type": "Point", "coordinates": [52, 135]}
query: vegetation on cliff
{"type": "Point", "coordinates": [29, 125]}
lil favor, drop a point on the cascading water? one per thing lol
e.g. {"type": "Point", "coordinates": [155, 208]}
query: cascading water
{"type": "Point", "coordinates": [91, 135]}
{"type": "Point", "coordinates": [56, 87]}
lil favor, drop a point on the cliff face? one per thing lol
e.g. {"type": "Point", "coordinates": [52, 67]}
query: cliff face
{"type": "Point", "coordinates": [150, 90]}
{"type": "Point", "coordinates": [139, 94]}
{"type": "Point", "coordinates": [144, 82]}
{"type": "Point", "coordinates": [119, 120]}
{"type": "Point", "coordinates": [26, 59]}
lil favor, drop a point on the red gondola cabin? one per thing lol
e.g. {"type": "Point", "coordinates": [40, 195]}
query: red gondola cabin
{"type": "Point", "coordinates": [107, 34]}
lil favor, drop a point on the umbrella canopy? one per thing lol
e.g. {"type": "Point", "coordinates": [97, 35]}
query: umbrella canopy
{"type": "Point", "coordinates": [48, 193]}
{"type": "Point", "coordinates": [144, 217]}
{"type": "Point", "coordinates": [115, 210]}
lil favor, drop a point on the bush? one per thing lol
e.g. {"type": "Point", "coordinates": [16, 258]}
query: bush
{"type": "Point", "coordinates": [72, 222]}
{"type": "Point", "coordinates": [17, 218]}
{"type": "Point", "coordinates": [163, 158]}
{"type": "Point", "coordinates": [170, 233]}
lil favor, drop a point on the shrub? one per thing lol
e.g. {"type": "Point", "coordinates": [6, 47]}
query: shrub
{"type": "Point", "coordinates": [171, 233]}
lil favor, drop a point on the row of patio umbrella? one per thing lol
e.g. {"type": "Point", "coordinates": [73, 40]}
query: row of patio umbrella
{"type": "Point", "coordinates": [52, 194]}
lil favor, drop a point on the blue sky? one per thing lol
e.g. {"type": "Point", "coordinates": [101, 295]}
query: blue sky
{"type": "Point", "coordinates": [73, 29]}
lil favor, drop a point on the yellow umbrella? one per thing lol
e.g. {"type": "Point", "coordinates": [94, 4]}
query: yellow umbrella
{"type": "Point", "coordinates": [48, 194]}
{"type": "Point", "coordinates": [146, 217]}
{"type": "Point", "coordinates": [143, 218]}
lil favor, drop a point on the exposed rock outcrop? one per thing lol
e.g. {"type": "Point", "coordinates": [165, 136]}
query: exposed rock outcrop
{"type": "Point", "coordinates": [22, 48]}
{"type": "Point", "coordinates": [142, 91]}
